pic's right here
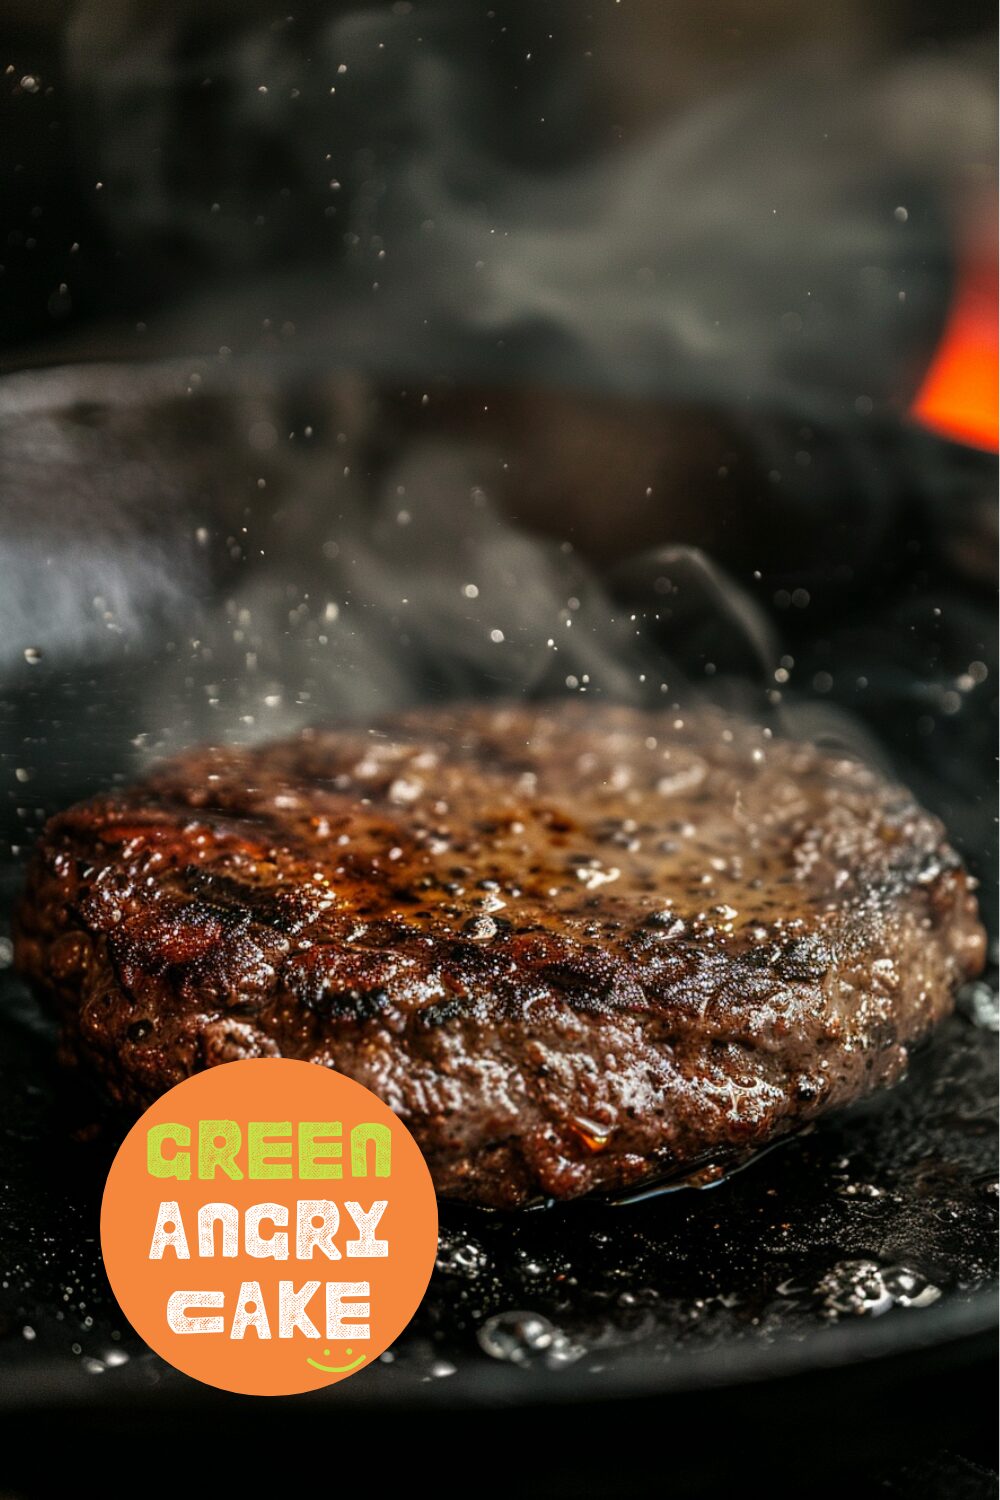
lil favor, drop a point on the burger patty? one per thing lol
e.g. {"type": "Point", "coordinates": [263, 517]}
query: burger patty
{"type": "Point", "coordinates": [575, 947]}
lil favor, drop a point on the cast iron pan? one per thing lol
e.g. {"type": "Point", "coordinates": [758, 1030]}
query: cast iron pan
{"type": "Point", "coordinates": [835, 1295]}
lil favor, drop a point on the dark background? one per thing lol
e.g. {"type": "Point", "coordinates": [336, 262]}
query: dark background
{"type": "Point", "coordinates": [182, 79]}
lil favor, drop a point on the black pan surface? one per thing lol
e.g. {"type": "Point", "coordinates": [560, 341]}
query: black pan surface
{"type": "Point", "coordinates": [843, 1267]}
{"type": "Point", "coordinates": [874, 1234]}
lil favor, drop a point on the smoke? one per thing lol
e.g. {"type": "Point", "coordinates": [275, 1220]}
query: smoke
{"type": "Point", "coordinates": [90, 559]}
{"type": "Point", "coordinates": [411, 587]}
{"type": "Point", "coordinates": [250, 537]}
{"type": "Point", "coordinates": [355, 184]}
{"type": "Point", "coordinates": [239, 578]}
{"type": "Point", "coordinates": [194, 554]}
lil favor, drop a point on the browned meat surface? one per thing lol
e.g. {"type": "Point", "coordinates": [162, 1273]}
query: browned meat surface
{"type": "Point", "coordinates": [574, 946]}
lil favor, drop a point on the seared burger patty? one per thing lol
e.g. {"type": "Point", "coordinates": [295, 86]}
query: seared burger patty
{"type": "Point", "coordinates": [574, 947]}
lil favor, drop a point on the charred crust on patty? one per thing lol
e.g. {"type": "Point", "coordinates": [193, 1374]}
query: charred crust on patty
{"type": "Point", "coordinates": [574, 946]}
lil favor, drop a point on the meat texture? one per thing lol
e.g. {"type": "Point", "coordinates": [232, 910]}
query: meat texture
{"type": "Point", "coordinates": [576, 947]}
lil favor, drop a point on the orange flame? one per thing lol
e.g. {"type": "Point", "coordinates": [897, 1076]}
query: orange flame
{"type": "Point", "coordinates": [959, 395]}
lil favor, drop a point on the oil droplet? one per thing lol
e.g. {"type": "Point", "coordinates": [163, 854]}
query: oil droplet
{"type": "Point", "coordinates": [864, 1288]}
{"type": "Point", "coordinates": [479, 929]}
{"type": "Point", "coordinates": [854, 1288]}
{"type": "Point", "coordinates": [459, 1257]}
{"type": "Point", "coordinates": [593, 1135]}
{"type": "Point", "coordinates": [516, 1336]}
{"type": "Point", "coordinates": [908, 1288]}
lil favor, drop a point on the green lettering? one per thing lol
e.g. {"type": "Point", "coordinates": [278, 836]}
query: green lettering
{"type": "Point", "coordinates": [361, 1135]}
{"type": "Point", "coordinates": [316, 1148]}
{"type": "Point", "coordinates": [260, 1139]}
{"type": "Point", "coordinates": [218, 1143]}
{"type": "Point", "coordinates": [177, 1165]}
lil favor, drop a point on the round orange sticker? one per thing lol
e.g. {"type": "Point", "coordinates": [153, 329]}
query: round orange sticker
{"type": "Point", "coordinates": [269, 1226]}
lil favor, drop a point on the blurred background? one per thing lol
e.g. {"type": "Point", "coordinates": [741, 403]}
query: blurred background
{"type": "Point", "coordinates": [539, 170]}
{"type": "Point", "coordinates": [363, 352]}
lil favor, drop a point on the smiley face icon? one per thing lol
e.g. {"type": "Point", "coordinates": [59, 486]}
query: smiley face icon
{"type": "Point", "coordinates": [337, 1369]}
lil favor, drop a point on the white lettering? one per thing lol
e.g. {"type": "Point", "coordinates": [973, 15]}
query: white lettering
{"type": "Point", "coordinates": [179, 1319]}
{"type": "Point", "coordinates": [292, 1310]}
{"type": "Point", "coordinates": [366, 1245]}
{"type": "Point", "coordinates": [250, 1312]}
{"type": "Point", "coordinates": [276, 1245]}
{"type": "Point", "coordinates": [317, 1222]}
{"type": "Point", "coordinates": [337, 1293]}
{"type": "Point", "coordinates": [168, 1233]}
{"type": "Point", "coordinates": [225, 1214]}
